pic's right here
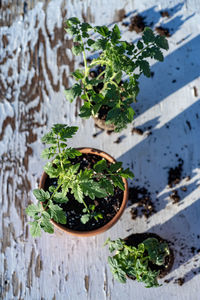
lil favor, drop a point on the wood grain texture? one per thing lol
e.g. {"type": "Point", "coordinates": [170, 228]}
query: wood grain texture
{"type": "Point", "coordinates": [35, 63]}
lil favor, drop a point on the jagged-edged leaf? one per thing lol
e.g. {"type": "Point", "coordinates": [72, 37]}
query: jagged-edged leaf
{"type": "Point", "coordinates": [144, 67]}
{"type": "Point", "coordinates": [148, 35]}
{"type": "Point", "coordinates": [72, 21]}
{"type": "Point", "coordinates": [51, 171]}
{"type": "Point", "coordinates": [78, 192]}
{"type": "Point", "coordinates": [126, 174]}
{"type": "Point", "coordinates": [57, 213]}
{"type": "Point", "coordinates": [162, 42]}
{"type": "Point", "coordinates": [60, 198]}
{"type": "Point", "coordinates": [140, 45]}
{"type": "Point", "coordinates": [100, 166]}
{"type": "Point", "coordinates": [35, 229]}
{"type": "Point", "coordinates": [107, 185]}
{"type": "Point", "coordinates": [86, 110]}
{"type": "Point", "coordinates": [33, 210]}
{"type": "Point", "coordinates": [78, 74]}
{"type": "Point", "coordinates": [158, 54]}
{"type": "Point", "coordinates": [115, 166]}
{"type": "Point", "coordinates": [103, 30]}
{"type": "Point", "coordinates": [77, 49]}
{"type": "Point", "coordinates": [115, 35]}
{"type": "Point", "coordinates": [73, 92]}
{"type": "Point", "coordinates": [49, 138]}
{"type": "Point", "coordinates": [41, 195]}
{"type": "Point", "coordinates": [117, 180]}
{"type": "Point", "coordinates": [49, 152]}
{"type": "Point", "coordinates": [93, 189]}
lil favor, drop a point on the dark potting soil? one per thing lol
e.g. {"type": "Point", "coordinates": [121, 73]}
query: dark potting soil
{"type": "Point", "coordinates": [142, 199]}
{"type": "Point", "coordinates": [135, 239]}
{"type": "Point", "coordinates": [174, 174]}
{"type": "Point", "coordinates": [137, 24]}
{"type": "Point", "coordinates": [108, 206]}
{"type": "Point", "coordinates": [163, 31]}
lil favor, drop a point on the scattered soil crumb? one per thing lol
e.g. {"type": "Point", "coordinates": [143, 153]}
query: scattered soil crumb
{"type": "Point", "coordinates": [167, 280]}
{"type": "Point", "coordinates": [134, 213]}
{"type": "Point", "coordinates": [164, 13]}
{"type": "Point", "coordinates": [152, 74]}
{"type": "Point", "coordinates": [174, 80]}
{"type": "Point", "coordinates": [120, 15]}
{"type": "Point", "coordinates": [137, 24]}
{"type": "Point", "coordinates": [195, 91]}
{"type": "Point", "coordinates": [109, 132]}
{"type": "Point", "coordinates": [180, 281]}
{"type": "Point", "coordinates": [142, 200]}
{"type": "Point", "coordinates": [174, 174]}
{"type": "Point", "coordinates": [184, 189]}
{"type": "Point", "coordinates": [188, 124]}
{"type": "Point", "coordinates": [187, 178]}
{"type": "Point", "coordinates": [137, 131]}
{"type": "Point", "coordinates": [118, 140]}
{"type": "Point", "coordinates": [163, 31]}
{"type": "Point", "coordinates": [175, 197]}
{"type": "Point", "coordinates": [86, 283]}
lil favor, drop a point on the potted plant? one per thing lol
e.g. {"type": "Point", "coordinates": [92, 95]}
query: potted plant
{"type": "Point", "coordinates": [108, 84]}
{"type": "Point", "coordinates": [82, 191]}
{"type": "Point", "coordinates": [144, 257]}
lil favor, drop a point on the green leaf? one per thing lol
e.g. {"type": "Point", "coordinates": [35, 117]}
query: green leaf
{"type": "Point", "coordinates": [60, 198]}
{"type": "Point", "coordinates": [72, 21]}
{"type": "Point", "coordinates": [46, 225]}
{"type": "Point", "coordinates": [107, 185]}
{"type": "Point", "coordinates": [158, 54]}
{"type": "Point", "coordinates": [57, 213]}
{"type": "Point", "coordinates": [51, 171]}
{"type": "Point", "coordinates": [33, 210]}
{"type": "Point", "coordinates": [49, 152]}
{"type": "Point", "coordinates": [100, 166]}
{"type": "Point", "coordinates": [93, 189]}
{"type": "Point", "coordinates": [117, 180]}
{"type": "Point", "coordinates": [71, 153]}
{"type": "Point", "coordinates": [100, 44]}
{"type": "Point", "coordinates": [77, 49]}
{"type": "Point", "coordinates": [35, 229]}
{"type": "Point", "coordinates": [86, 110]}
{"type": "Point", "coordinates": [85, 218]}
{"type": "Point", "coordinates": [115, 35]}
{"type": "Point", "coordinates": [78, 74]}
{"type": "Point", "coordinates": [126, 174]}
{"type": "Point", "coordinates": [144, 67]}
{"type": "Point", "coordinates": [140, 45]}
{"type": "Point", "coordinates": [115, 167]}
{"type": "Point", "coordinates": [161, 42]}
{"type": "Point", "coordinates": [67, 132]}
{"type": "Point", "coordinates": [41, 195]}
{"type": "Point", "coordinates": [49, 138]}
{"type": "Point", "coordinates": [78, 192]}
{"type": "Point", "coordinates": [90, 42]}
{"type": "Point", "coordinates": [74, 92]}
{"type": "Point", "coordinates": [148, 35]}
{"type": "Point", "coordinates": [103, 30]}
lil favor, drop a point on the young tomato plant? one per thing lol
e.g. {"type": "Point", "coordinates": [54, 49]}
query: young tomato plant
{"type": "Point", "coordinates": [134, 261]}
{"type": "Point", "coordinates": [96, 182]}
{"type": "Point", "coordinates": [117, 60]}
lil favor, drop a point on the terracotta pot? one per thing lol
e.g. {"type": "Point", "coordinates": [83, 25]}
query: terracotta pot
{"type": "Point", "coordinates": [102, 124]}
{"type": "Point", "coordinates": [135, 239]}
{"type": "Point", "coordinates": [114, 219]}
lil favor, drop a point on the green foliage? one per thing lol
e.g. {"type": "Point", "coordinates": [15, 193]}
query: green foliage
{"type": "Point", "coordinates": [118, 59]}
{"type": "Point", "coordinates": [134, 261]}
{"type": "Point", "coordinates": [97, 182]}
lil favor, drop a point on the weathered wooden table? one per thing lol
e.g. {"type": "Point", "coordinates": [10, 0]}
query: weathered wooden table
{"type": "Point", "coordinates": [35, 62]}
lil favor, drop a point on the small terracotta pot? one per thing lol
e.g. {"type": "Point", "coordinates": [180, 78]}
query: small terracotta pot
{"type": "Point", "coordinates": [137, 238]}
{"type": "Point", "coordinates": [114, 219]}
{"type": "Point", "coordinates": [103, 125]}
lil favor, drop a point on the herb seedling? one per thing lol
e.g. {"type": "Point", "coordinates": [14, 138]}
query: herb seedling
{"type": "Point", "coordinates": [117, 59]}
{"type": "Point", "coordinates": [97, 182]}
{"type": "Point", "coordinates": [134, 261]}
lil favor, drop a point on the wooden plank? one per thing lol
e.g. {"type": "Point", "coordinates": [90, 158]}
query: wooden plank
{"type": "Point", "coordinates": [35, 62]}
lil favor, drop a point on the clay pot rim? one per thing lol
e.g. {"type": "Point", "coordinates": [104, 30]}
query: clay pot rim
{"type": "Point", "coordinates": [108, 225]}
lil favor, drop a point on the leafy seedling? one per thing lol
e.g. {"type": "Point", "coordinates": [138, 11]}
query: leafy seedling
{"type": "Point", "coordinates": [96, 182]}
{"type": "Point", "coordinates": [130, 261]}
{"type": "Point", "coordinates": [119, 65]}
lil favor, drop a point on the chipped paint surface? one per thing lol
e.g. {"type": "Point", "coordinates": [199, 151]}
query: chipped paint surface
{"type": "Point", "coordinates": [35, 62]}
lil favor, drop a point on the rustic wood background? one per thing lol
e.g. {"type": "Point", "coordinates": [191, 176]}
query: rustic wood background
{"type": "Point", "coordinates": [35, 63]}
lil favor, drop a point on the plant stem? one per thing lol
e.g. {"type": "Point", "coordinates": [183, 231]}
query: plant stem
{"type": "Point", "coordinates": [135, 56]}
